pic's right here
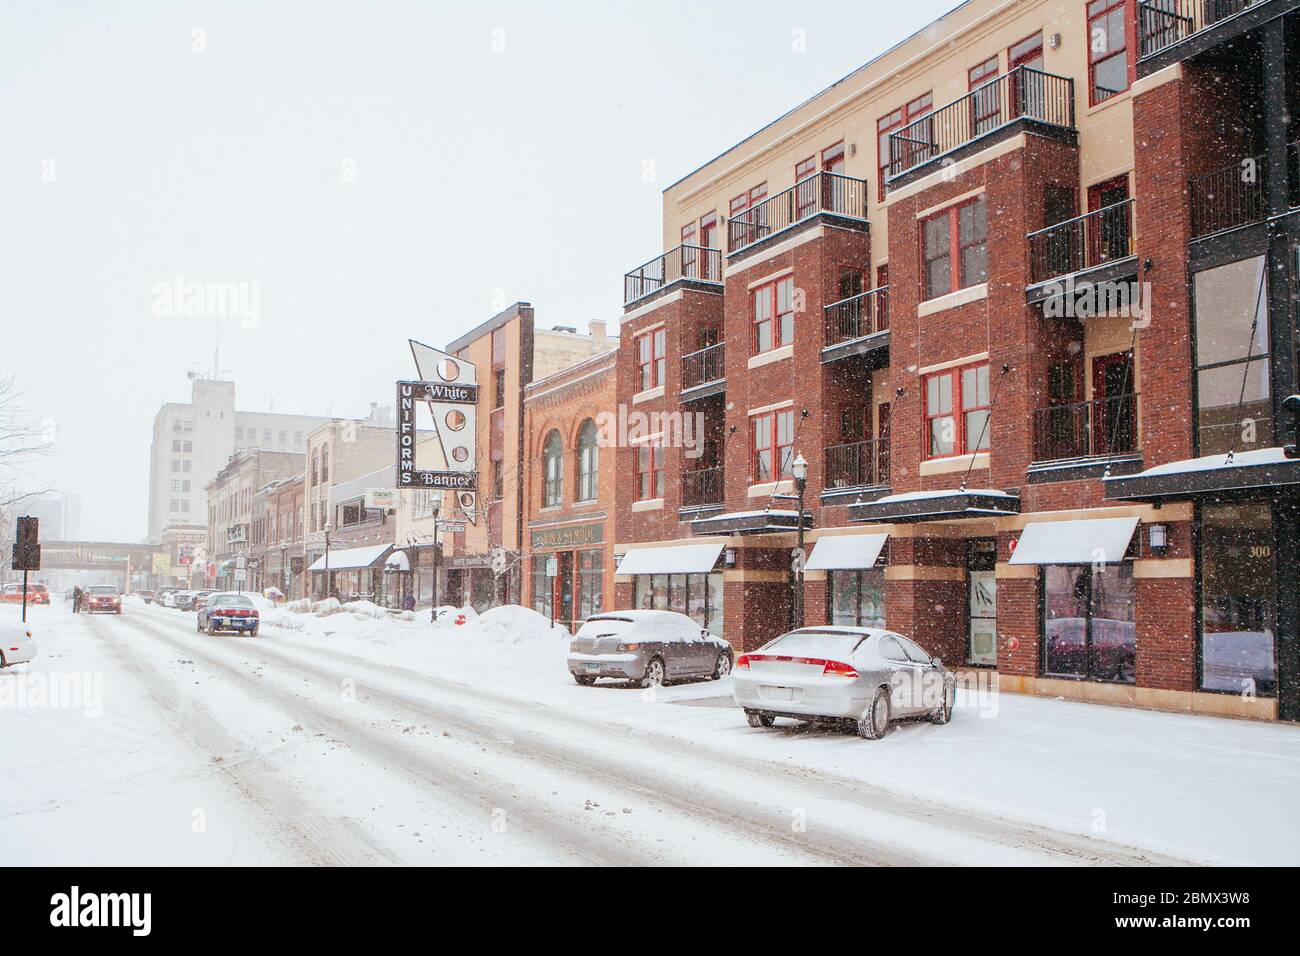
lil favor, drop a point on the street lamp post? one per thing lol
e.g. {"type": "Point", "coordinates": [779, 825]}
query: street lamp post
{"type": "Point", "coordinates": [284, 570]}
{"type": "Point", "coordinates": [433, 611]}
{"type": "Point", "coordinates": [328, 528]}
{"type": "Point", "coordinates": [799, 468]}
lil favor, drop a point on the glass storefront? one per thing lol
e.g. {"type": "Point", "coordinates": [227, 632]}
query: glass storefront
{"type": "Point", "coordinates": [856, 598]}
{"type": "Point", "coordinates": [580, 581]}
{"type": "Point", "coordinates": [699, 596]}
{"type": "Point", "coordinates": [1238, 599]}
{"type": "Point", "coordinates": [1090, 622]}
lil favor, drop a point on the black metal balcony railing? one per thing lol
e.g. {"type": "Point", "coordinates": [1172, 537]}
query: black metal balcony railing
{"type": "Point", "coordinates": [1228, 197]}
{"type": "Point", "coordinates": [702, 486]}
{"type": "Point", "coordinates": [1093, 239]}
{"type": "Point", "coordinates": [1162, 23]}
{"type": "Point", "coordinates": [820, 192]}
{"type": "Point", "coordinates": [705, 366]}
{"type": "Point", "coordinates": [1103, 426]}
{"type": "Point", "coordinates": [863, 314]}
{"type": "Point", "coordinates": [684, 262]}
{"type": "Point", "coordinates": [858, 464]}
{"type": "Point", "coordinates": [1024, 93]}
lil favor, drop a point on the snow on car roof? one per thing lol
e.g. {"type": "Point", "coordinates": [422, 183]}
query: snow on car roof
{"type": "Point", "coordinates": [639, 614]}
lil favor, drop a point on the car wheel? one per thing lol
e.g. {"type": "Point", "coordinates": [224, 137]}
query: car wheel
{"type": "Point", "coordinates": [212, 631]}
{"type": "Point", "coordinates": [756, 719]}
{"type": "Point", "coordinates": [584, 680]}
{"type": "Point", "coordinates": [654, 673]}
{"type": "Point", "coordinates": [3, 665]}
{"type": "Point", "coordinates": [253, 632]}
{"type": "Point", "coordinates": [943, 713]}
{"type": "Point", "coordinates": [873, 724]}
{"type": "Point", "coordinates": [723, 667]}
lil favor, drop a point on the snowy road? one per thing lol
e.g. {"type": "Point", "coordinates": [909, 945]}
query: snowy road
{"type": "Point", "coordinates": [286, 749]}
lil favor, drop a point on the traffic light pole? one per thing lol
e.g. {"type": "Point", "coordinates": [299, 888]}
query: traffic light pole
{"type": "Point", "coordinates": [24, 597]}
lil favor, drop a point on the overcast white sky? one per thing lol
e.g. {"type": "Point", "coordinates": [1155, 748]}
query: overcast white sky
{"type": "Point", "coordinates": [480, 176]}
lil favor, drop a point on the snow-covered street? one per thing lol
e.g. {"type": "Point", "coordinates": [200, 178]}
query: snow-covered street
{"type": "Point", "coordinates": [351, 739]}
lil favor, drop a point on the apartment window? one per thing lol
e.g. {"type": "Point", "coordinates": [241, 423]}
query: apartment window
{"type": "Point", "coordinates": [284, 437]}
{"type": "Point", "coordinates": [957, 411]}
{"type": "Point", "coordinates": [185, 485]}
{"type": "Point", "coordinates": [805, 196]}
{"type": "Point", "coordinates": [552, 469]}
{"type": "Point", "coordinates": [176, 426]}
{"type": "Point", "coordinates": [650, 471]}
{"type": "Point", "coordinates": [185, 505]}
{"type": "Point", "coordinates": [892, 123]}
{"type": "Point", "coordinates": [833, 158]}
{"type": "Point", "coordinates": [652, 358]}
{"type": "Point", "coordinates": [325, 464]}
{"type": "Point", "coordinates": [957, 235]}
{"type": "Point", "coordinates": [499, 388]}
{"type": "Point", "coordinates": [185, 466]}
{"type": "Point", "coordinates": [688, 234]}
{"type": "Point", "coordinates": [587, 461]}
{"type": "Point", "coordinates": [708, 226]}
{"type": "Point", "coordinates": [774, 315]}
{"type": "Point", "coordinates": [176, 444]}
{"type": "Point", "coordinates": [297, 438]}
{"type": "Point", "coordinates": [1107, 49]}
{"type": "Point", "coordinates": [1234, 407]}
{"type": "Point", "coordinates": [175, 505]}
{"type": "Point", "coordinates": [748, 200]}
{"type": "Point", "coordinates": [773, 445]}
{"type": "Point", "coordinates": [175, 484]}
{"type": "Point", "coordinates": [986, 104]}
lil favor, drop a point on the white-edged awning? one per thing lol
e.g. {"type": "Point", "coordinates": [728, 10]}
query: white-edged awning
{"type": "Point", "coordinates": [349, 559]}
{"type": "Point", "coordinates": [398, 561]}
{"type": "Point", "coordinates": [1083, 541]}
{"type": "Point", "coordinates": [674, 559]}
{"type": "Point", "coordinates": [846, 552]}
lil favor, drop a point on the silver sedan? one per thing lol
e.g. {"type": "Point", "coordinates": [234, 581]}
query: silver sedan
{"type": "Point", "coordinates": [860, 674]}
{"type": "Point", "coordinates": [650, 647]}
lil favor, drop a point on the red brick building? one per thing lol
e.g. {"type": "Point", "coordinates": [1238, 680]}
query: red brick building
{"type": "Point", "coordinates": [569, 491]}
{"type": "Point", "coordinates": [1020, 293]}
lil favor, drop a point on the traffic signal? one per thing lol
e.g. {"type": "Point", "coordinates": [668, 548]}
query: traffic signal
{"type": "Point", "coordinates": [27, 545]}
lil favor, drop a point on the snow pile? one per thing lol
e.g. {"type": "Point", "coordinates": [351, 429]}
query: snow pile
{"type": "Point", "coordinates": [447, 615]}
{"type": "Point", "coordinates": [513, 624]}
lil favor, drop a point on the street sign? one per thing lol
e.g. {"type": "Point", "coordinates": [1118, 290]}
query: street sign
{"type": "Point", "coordinates": [796, 560]}
{"type": "Point", "coordinates": [552, 567]}
{"type": "Point", "coordinates": [449, 386]}
{"type": "Point", "coordinates": [27, 546]}
{"type": "Point", "coordinates": [452, 526]}
{"type": "Point", "coordinates": [162, 565]}
{"type": "Point", "coordinates": [385, 498]}
{"type": "Point", "coordinates": [241, 576]}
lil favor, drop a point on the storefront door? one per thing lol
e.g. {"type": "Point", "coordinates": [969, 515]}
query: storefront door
{"type": "Point", "coordinates": [982, 591]}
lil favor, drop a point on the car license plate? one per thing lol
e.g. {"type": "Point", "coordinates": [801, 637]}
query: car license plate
{"type": "Point", "coordinates": [779, 693]}
{"type": "Point", "coordinates": [592, 666]}
{"type": "Point", "coordinates": [222, 620]}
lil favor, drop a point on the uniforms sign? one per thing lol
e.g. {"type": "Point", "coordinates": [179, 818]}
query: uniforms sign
{"type": "Point", "coordinates": [448, 385]}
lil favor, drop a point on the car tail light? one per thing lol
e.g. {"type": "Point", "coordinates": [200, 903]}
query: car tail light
{"type": "Point", "coordinates": [839, 669]}
{"type": "Point", "coordinates": [742, 662]}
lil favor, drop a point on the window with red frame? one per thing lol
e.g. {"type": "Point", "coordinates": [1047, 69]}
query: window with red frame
{"type": "Point", "coordinates": [892, 123]}
{"type": "Point", "coordinates": [833, 158]}
{"type": "Point", "coordinates": [746, 201]}
{"type": "Point", "coordinates": [650, 471]}
{"type": "Point", "coordinates": [805, 195]}
{"type": "Point", "coordinates": [954, 248]}
{"type": "Point", "coordinates": [651, 359]}
{"type": "Point", "coordinates": [957, 411]}
{"type": "Point", "coordinates": [772, 442]}
{"type": "Point", "coordinates": [1107, 49]}
{"type": "Point", "coordinates": [774, 315]}
{"type": "Point", "coordinates": [986, 104]}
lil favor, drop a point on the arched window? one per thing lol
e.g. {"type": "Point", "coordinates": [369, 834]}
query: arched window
{"type": "Point", "coordinates": [553, 469]}
{"type": "Point", "coordinates": [315, 465]}
{"type": "Point", "coordinates": [588, 461]}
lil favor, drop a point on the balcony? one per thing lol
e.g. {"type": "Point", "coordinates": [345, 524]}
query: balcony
{"type": "Point", "coordinates": [829, 193]}
{"type": "Point", "coordinates": [860, 464]}
{"type": "Point", "coordinates": [702, 488]}
{"type": "Point", "coordinates": [1237, 194]}
{"type": "Point", "coordinates": [1172, 30]}
{"type": "Point", "coordinates": [684, 263]}
{"type": "Point", "coordinates": [704, 372]}
{"type": "Point", "coordinates": [1074, 437]}
{"type": "Point", "coordinates": [1022, 98]}
{"type": "Point", "coordinates": [855, 325]}
{"type": "Point", "coordinates": [1098, 244]}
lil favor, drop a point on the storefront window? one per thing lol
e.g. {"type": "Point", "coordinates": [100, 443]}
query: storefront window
{"type": "Point", "coordinates": [1089, 626]}
{"type": "Point", "coordinates": [697, 595]}
{"type": "Point", "coordinates": [591, 583]}
{"type": "Point", "coordinates": [541, 587]}
{"type": "Point", "coordinates": [1238, 599]}
{"type": "Point", "coordinates": [857, 598]}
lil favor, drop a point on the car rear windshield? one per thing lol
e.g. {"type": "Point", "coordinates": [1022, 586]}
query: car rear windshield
{"type": "Point", "coordinates": [103, 590]}
{"type": "Point", "coordinates": [232, 601]}
{"type": "Point", "coordinates": [832, 644]}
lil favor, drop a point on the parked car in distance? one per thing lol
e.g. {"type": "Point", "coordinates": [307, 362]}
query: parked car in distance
{"type": "Point", "coordinates": [862, 675]}
{"type": "Point", "coordinates": [16, 645]}
{"type": "Point", "coordinates": [13, 594]}
{"type": "Point", "coordinates": [201, 598]}
{"type": "Point", "coordinates": [229, 612]}
{"type": "Point", "coordinates": [650, 647]}
{"type": "Point", "coordinates": [166, 597]}
{"type": "Point", "coordinates": [146, 596]}
{"type": "Point", "coordinates": [184, 600]}
{"type": "Point", "coordinates": [101, 599]}
{"type": "Point", "coordinates": [42, 593]}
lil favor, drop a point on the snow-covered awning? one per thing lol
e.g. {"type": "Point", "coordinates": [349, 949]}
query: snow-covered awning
{"type": "Point", "coordinates": [944, 505]}
{"type": "Point", "coordinates": [349, 559]}
{"type": "Point", "coordinates": [846, 552]}
{"type": "Point", "coordinates": [397, 561]}
{"type": "Point", "coordinates": [1082, 541]}
{"type": "Point", "coordinates": [674, 559]}
{"type": "Point", "coordinates": [765, 521]}
{"type": "Point", "coordinates": [1262, 470]}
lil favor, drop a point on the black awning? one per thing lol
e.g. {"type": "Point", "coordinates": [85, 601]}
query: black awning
{"type": "Point", "coordinates": [750, 522]}
{"type": "Point", "coordinates": [1262, 473]}
{"type": "Point", "coordinates": [937, 506]}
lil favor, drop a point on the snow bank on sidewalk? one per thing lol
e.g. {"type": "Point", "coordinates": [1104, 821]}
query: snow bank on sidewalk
{"type": "Point", "coordinates": [508, 624]}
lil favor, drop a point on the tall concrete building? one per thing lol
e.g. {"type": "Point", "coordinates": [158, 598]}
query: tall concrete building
{"type": "Point", "coordinates": [193, 441]}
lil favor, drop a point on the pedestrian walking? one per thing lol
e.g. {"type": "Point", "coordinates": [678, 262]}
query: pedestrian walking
{"type": "Point", "coordinates": [76, 600]}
